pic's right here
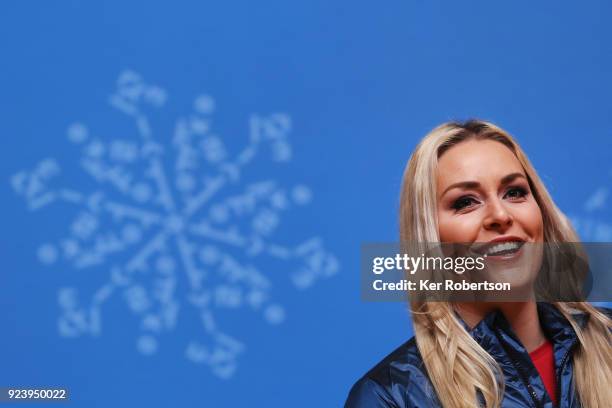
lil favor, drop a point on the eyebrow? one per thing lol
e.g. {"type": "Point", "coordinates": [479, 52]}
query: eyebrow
{"type": "Point", "coordinates": [474, 184]}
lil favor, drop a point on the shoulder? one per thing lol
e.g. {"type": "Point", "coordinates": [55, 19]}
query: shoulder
{"type": "Point", "coordinates": [398, 380]}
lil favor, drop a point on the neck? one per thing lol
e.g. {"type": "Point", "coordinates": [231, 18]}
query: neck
{"type": "Point", "coordinates": [522, 316]}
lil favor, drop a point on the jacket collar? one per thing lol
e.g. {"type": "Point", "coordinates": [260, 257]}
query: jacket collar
{"type": "Point", "coordinates": [555, 326]}
{"type": "Point", "coordinates": [495, 335]}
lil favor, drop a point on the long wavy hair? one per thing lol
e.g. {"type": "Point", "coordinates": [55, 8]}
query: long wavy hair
{"type": "Point", "coordinates": [457, 365]}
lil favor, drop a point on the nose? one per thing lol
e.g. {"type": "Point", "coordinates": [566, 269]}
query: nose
{"type": "Point", "coordinates": [498, 217]}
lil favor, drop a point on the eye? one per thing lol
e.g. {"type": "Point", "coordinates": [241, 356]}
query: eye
{"type": "Point", "coordinates": [516, 192]}
{"type": "Point", "coordinates": [463, 202]}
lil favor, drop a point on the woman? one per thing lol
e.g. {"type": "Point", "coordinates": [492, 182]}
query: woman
{"type": "Point", "coordinates": [471, 182]}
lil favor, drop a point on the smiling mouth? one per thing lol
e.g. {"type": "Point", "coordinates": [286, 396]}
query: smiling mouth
{"type": "Point", "coordinates": [500, 248]}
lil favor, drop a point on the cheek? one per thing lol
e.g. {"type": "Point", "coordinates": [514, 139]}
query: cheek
{"type": "Point", "coordinates": [458, 229]}
{"type": "Point", "coordinates": [531, 220]}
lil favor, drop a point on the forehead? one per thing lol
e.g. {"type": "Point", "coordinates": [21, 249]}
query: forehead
{"type": "Point", "coordinates": [476, 160]}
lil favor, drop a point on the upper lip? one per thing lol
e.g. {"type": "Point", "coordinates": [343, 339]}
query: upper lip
{"type": "Point", "coordinates": [483, 248]}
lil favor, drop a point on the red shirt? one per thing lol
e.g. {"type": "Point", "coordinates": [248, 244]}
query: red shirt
{"type": "Point", "coordinates": [544, 360]}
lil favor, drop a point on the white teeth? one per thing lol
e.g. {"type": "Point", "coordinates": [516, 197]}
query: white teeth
{"type": "Point", "coordinates": [506, 246]}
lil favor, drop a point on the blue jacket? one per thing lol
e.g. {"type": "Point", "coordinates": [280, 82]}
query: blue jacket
{"type": "Point", "coordinates": [401, 380]}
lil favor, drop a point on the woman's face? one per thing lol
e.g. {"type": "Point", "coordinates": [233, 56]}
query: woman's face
{"type": "Point", "coordinates": [483, 194]}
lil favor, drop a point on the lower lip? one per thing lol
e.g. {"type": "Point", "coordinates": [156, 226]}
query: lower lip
{"type": "Point", "coordinates": [506, 257]}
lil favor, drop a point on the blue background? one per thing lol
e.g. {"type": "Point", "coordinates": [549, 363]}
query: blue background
{"type": "Point", "coordinates": [362, 84]}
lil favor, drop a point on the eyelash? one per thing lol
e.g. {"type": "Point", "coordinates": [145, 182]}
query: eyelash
{"type": "Point", "coordinates": [457, 204]}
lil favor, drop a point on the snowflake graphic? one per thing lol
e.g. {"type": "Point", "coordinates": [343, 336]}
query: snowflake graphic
{"type": "Point", "coordinates": [593, 225]}
{"type": "Point", "coordinates": [179, 239]}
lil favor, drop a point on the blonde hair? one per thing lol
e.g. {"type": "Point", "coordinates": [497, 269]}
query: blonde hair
{"type": "Point", "coordinates": [457, 365]}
